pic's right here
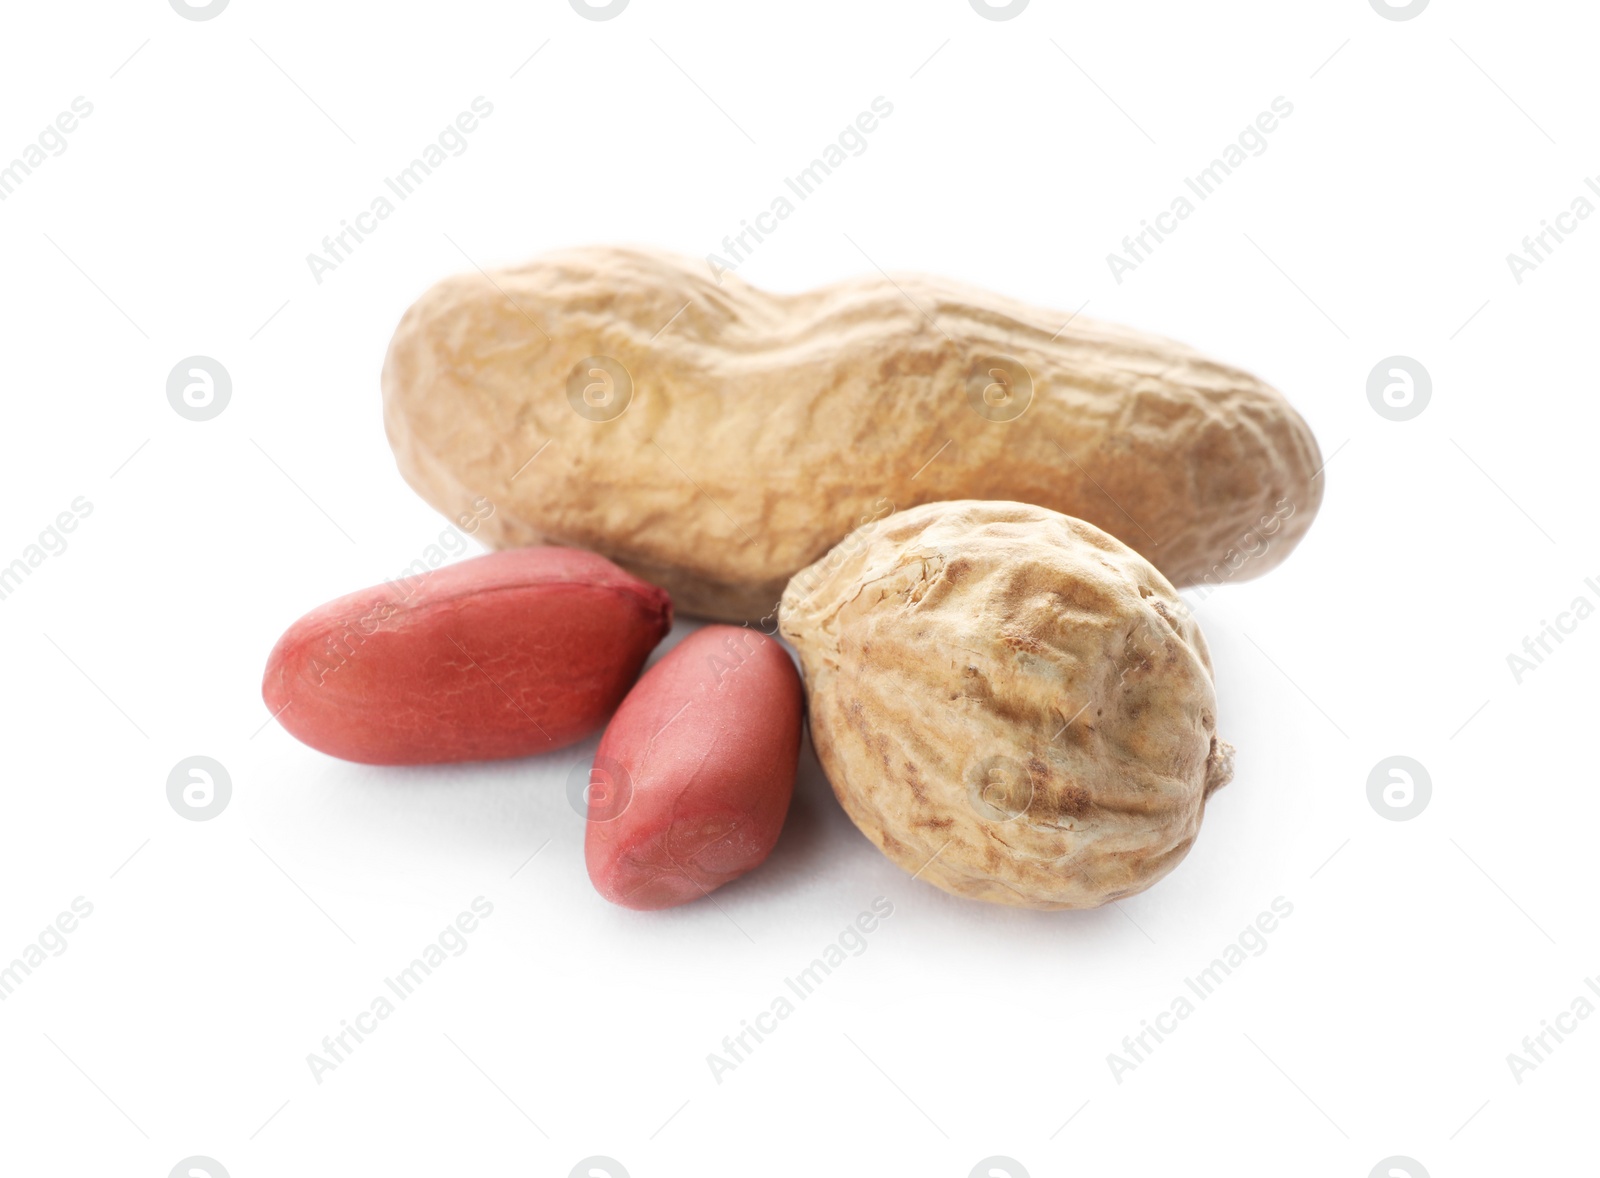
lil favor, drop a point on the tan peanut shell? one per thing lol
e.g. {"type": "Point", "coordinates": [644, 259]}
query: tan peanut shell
{"type": "Point", "coordinates": [715, 439]}
{"type": "Point", "coordinates": [1010, 703]}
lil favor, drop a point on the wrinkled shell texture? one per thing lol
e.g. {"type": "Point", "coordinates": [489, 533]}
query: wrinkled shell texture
{"type": "Point", "coordinates": [763, 428]}
{"type": "Point", "coordinates": [1008, 701]}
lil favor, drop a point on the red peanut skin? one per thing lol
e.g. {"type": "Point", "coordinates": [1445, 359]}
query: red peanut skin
{"type": "Point", "coordinates": [707, 743]}
{"type": "Point", "coordinates": [504, 655]}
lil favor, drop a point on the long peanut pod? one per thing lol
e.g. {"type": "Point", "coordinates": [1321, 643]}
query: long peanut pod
{"type": "Point", "coordinates": [715, 439]}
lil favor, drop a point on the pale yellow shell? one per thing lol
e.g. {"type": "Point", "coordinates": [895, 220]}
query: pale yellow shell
{"type": "Point", "coordinates": [755, 431]}
{"type": "Point", "coordinates": [1010, 703]}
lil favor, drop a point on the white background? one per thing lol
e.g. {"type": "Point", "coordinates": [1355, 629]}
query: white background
{"type": "Point", "coordinates": [177, 222]}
